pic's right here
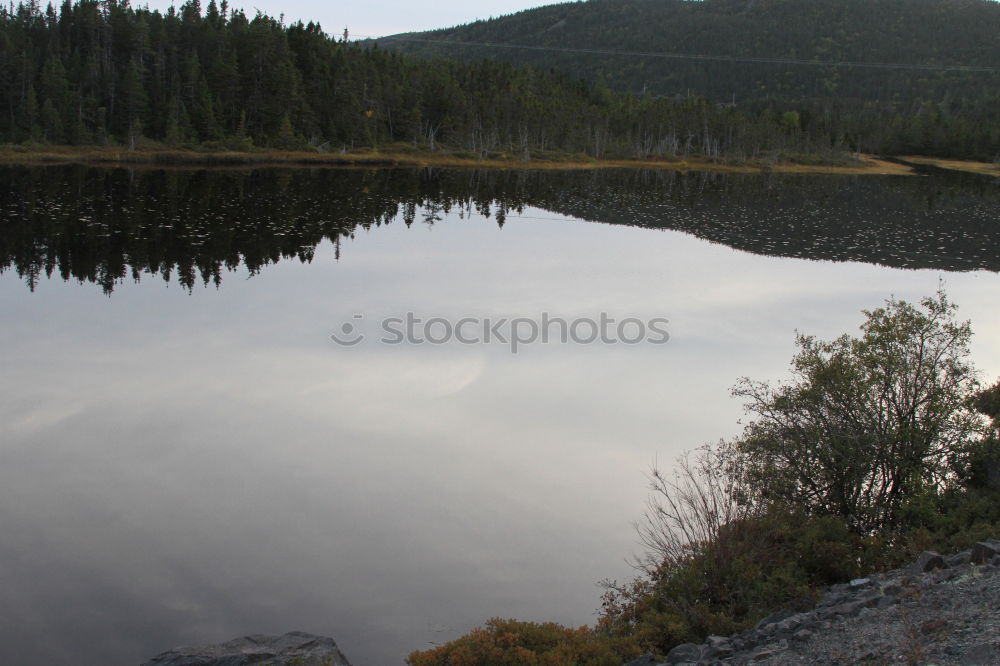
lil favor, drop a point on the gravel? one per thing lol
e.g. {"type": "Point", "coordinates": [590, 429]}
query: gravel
{"type": "Point", "coordinates": [942, 611]}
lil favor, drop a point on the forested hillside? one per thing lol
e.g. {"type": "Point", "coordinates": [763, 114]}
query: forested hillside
{"type": "Point", "coordinates": [920, 103]}
{"type": "Point", "coordinates": [106, 72]}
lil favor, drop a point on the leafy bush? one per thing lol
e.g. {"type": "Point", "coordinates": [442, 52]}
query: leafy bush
{"type": "Point", "coordinates": [872, 453]}
{"type": "Point", "coordinates": [869, 423]}
{"type": "Point", "coordinates": [987, 402]}
{"type": "Point", "coordinates": [515, 643]}
{"type": "Point", "coordinates": [749, 569]}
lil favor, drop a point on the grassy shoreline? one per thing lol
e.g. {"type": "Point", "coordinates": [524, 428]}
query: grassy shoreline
{"type": "Point", "coordinates": [173, 158]}
{"type": "Point", "coordinates": [987, 168]}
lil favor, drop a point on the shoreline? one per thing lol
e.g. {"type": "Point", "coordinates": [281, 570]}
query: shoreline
{"type": "Point", "coordinates": [966, 166]}
{"type": "Point", "coordinates": [187, 159]}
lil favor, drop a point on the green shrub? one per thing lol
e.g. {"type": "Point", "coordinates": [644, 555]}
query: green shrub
{"type": "Point", "coordinates": [242, 144]}
{"type": "Point", "coordinates": [751, 568]}
{"type": "Point", "coordinates": [870, 454]}
{"type": "Point", "coordinates": [515, 643]}
{"type": "Point", "coordinates": [868, 423]}
{"type": "Point", "coordinates": [987, 402]}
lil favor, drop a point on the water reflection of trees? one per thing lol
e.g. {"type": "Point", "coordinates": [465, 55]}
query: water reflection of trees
{"type": "Point", "coordinates": [106, 226]}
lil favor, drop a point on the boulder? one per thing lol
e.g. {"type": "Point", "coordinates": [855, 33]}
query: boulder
{"type": "Point", "coordinates": [958, 559]}
{"type": "Point", "coordinates": [834, 598]}
{"type": "Point", "coordinates": [294, 647]}
{"type": "Point", "coordinates": [893, 589]}
{"type": "Point", "coordinates": [790, 624]}
{"type": "Point", "coordinates": [984, 551]}
{"type": "Point", "coordinates": [886, 601]}
{"type": "Point", "coordinates": [929, 561]}
{"type": "Point", "coordinates": [777, 616]}
{"type": "Point", "coordinates": [685, 652]}
{"type": "Point", "coordinates": [765, 652]}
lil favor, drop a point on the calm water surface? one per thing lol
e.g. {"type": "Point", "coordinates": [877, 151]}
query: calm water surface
{"type": "Point", "coordinates": [186, 456]}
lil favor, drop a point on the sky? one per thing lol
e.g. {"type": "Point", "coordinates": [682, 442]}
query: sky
{"type": "Point", "coordinates": [376, 18]}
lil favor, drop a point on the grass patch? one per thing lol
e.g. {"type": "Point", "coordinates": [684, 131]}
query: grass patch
{"type": "Point", "coordinates": [987, 168]}
{"type": "Point", "coordinates": [403, 155]}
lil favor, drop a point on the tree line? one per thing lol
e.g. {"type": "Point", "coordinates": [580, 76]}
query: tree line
{"type": "Point", "coordinates": [915, 106]}
{"type": "Point", "coordinates": [99, 72]}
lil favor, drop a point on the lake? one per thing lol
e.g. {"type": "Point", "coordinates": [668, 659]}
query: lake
{"type": "Point", "coordinates": [189, 455]}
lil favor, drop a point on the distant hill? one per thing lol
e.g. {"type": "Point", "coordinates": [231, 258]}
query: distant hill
{"type": "Point", "coordinates": [908, 33]}
{"type": "Point", "coordinates": [107, 73]}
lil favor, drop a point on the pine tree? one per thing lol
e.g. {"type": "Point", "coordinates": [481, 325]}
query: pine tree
{"type": "Point", "coordinates": [52, 131]}
{"type": "Point", "coordinates": [285, 139]}
{"type": "Point", "coordinates": [134, 103]}
{"type": "Point", "coordinates": [29, 116]}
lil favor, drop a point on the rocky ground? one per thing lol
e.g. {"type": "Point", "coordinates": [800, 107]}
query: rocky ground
{"type": "Point", "coordinates": [940, 610]}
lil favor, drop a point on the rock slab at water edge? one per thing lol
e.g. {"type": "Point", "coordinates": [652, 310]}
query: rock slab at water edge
{"type": "Point", "coordinates": [296, 647]}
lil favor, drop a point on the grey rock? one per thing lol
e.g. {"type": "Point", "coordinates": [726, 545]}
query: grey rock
{"type": "Point", "coordinates": [802, 635]}
{"type": "Point", "coordinates": [295, 647]}
{"type": "Point", "coordinates": [790, 624]}
{"type": "Point", "coordinates": [684, 652]}
{"type": "Point", "coordinates": [719, 647]}
{"type": "Point", "coordinates": [850, 608]}
{"type": "Point", "coordinates": [886, 601]}
{"type": "Point", "coordinates": [944, 575]}
{"type": "Point", "coordinates": [775, 617]}
{"type": "Point", "coordinates": [834, 598]}
{"type": "Point", "coordinates": [765, 652]}
{"type": "Point", "coordinates": [858, 583]}
{"type": "Point", "coordinates": [959, 559]}
{"type": "Point", "coordinates": [983, 654]}
{"type": "Point", "coordinates": [708, 653]}
{"type": "Point", "coordinates": [929, 561]}
{"type": "Point", "coordinates": [984, 551]}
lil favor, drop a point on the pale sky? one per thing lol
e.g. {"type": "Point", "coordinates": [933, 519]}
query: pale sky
{"type": "Point", "coordinates": [376, 18]}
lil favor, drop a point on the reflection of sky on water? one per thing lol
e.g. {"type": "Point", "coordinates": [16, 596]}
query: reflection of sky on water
{"type": "Point", "coordinates": [184, 468]}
